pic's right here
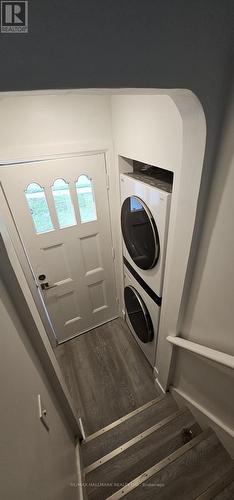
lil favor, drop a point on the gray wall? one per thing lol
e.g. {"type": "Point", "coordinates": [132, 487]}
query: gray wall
{"type": "Point", "coordinates": [34, 463]}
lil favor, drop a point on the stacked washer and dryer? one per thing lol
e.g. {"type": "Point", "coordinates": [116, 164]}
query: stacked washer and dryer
{"type": "Point", "coordinates": [145, 209]}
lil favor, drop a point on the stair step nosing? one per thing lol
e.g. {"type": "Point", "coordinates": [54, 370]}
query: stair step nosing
{"type": "Point", "coordinates": [160, 465]}
{"type": "Point", "coordinates": [123, 419]}
{"type": "Point", "coordinates": [135, 440]}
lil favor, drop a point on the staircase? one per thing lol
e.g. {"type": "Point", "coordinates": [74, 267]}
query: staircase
{"type": "Point", "coordinates": [157, 451]}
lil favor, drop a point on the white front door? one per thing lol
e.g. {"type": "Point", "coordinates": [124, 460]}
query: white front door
{"type": "Point", "coordinates": [62, 213]}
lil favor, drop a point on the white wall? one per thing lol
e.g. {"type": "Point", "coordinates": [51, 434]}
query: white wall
{"type": "Point", "coordinates": [37, 125]}
{"type": "Point", "coordinates": [35, 463]}
{"type": "Point", "coordinates": [147, 128]}
{"type": "Point", "coordinates": [209, 316]}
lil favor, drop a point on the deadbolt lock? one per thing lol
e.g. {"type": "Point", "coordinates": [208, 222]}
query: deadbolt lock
{"type": "Point", "coordinates": [42, 277]}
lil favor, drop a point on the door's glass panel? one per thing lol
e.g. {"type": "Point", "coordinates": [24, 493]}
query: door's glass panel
{"type": "Point", "coordinates": [63, 204]}
{"type": "Point", "coordinates": [38, 206]}
{"type": "Point", "coordinates": [86, 200]}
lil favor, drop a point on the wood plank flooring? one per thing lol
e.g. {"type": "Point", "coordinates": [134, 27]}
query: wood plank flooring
{"type": "Point", "coordinates": [106, 373]}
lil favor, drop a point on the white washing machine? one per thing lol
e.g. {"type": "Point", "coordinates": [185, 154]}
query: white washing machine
{"type": "Point", "coordinates": [142, 315]}
{"type": "Point", "coordinates": [145, 209]}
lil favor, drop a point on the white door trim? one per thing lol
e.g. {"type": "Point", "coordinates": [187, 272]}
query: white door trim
{"type": "Point", "coordinates": [88, 150]}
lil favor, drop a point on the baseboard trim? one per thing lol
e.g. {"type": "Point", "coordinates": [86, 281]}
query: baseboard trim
{"type": "Point", "coordinates": [223, 431]}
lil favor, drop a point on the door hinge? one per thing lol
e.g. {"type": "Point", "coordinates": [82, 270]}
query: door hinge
{"type": "Point", "coordinates": [113, 253]}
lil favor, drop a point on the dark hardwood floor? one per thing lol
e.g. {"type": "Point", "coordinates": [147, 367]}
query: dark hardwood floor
{"type": "Point", "coordinates": [106, 374]}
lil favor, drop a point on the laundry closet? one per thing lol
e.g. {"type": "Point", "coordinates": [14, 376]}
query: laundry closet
{"type": "Point", "coordinates": [145, 214]}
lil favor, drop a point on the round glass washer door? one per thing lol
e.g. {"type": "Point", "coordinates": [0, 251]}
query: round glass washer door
{"type": "Point", "coordinates": [140, 233]}
{"type": "Point", "coordinates": [138, 315]}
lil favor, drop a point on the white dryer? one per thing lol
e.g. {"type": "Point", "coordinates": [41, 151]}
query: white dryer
{"type": "Point", "coordinates": [145, 209]}
{"type": "Point", "coordinates": [142, 315]}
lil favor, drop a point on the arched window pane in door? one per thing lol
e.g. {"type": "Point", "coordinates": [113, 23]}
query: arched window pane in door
{"type": "Point", "coordinates": [86, 200]}
{"type": "Point", "coordinates": [38, 207]}
{"type": "Point", "coordinates": [63, 204]}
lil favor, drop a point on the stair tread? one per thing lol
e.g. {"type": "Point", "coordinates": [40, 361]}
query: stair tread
{"type": "Point", "coordinates": [221, 487]}
{"type": "Point", "coordinates": [105, 443]}
{"type": "Point", "coordinates": [227, 493]}
{"type": "Point", "coordinates": [136, 459]}
{"type": "Point", "coordinates": [188, 476]}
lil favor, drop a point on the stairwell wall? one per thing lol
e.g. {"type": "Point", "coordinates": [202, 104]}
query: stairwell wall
{"type": "Point", "coordinates": [208, 316]}
{"type": "Point", "coordinates": [35, 462]}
